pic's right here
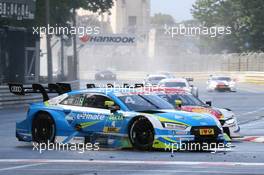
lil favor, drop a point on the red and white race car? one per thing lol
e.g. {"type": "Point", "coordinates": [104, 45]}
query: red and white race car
{"type": "Point", "coordinates": [221, 83]}
{"type": "Point", "coordinates": [180, 83]}
{"type": "Point", "coordinates": [183, 100]}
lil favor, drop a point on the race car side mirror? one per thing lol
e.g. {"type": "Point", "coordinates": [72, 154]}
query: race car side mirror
{"type": "Point", "coordinates": [178, 103]}
{"type": "Point", "coordinates": [209, 103]}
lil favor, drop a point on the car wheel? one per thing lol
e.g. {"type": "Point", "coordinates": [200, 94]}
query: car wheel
{"type": "Point", "coordinates": [141, 134]}
{"type": "Point", "coordinates": [43, 128]}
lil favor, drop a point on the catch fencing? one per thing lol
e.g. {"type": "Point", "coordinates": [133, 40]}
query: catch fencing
{"type": "Point", "coordinates": [178, 63]}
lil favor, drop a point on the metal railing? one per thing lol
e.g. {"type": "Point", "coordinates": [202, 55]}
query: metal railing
{"type": "Point", "coordinates": [177, 63]}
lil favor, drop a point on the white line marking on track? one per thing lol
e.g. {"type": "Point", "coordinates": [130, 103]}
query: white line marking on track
{"type": "Point", "coordinates": [257, 139]}
{"type": "Point", "coordinates": [252, 112]}
{"type": "Point", "coordinates": [21, 166]}
{"type": "Point", "coordinates": [131, 162]}
{"type": "Point", "coordinates": [251, 89]}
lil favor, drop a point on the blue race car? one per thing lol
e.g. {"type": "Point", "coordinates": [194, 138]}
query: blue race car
{"type": "Point", "coordinates": [120, 118]}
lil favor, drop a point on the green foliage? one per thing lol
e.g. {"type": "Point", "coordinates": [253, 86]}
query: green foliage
{"type": "Point", "coordinates": [160, 19]}
{"type": "Point", "coordinates": [244, 16]}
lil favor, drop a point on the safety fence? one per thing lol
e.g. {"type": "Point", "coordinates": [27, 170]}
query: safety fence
{"type": "Point", "coordinates": [246, 76]}
{"type": "Point", "coordinates": [8, 100]}
{"type": "Point", "coordinates": [177, 63]}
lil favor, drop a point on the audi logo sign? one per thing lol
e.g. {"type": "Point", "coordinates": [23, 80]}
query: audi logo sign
{"type": "Point", "coordinates": [16, 89]}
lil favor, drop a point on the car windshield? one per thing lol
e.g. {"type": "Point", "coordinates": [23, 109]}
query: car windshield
{"type": "Point", "coordinates": [187, 99]}
{"type": "Point", "coordinates": [222, 78]}
{"type": "Point", "coordinates": [175, 84]}
{"type": "Point", "coordinates": [145, 102]}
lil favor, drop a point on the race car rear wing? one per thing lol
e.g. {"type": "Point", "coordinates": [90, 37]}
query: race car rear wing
{"type": "Point", "coordinates": [109, 85]}
{"type": "Point", "coordinates": [19, 89]}
{"type": "Point", "coordinates": [189, 79]}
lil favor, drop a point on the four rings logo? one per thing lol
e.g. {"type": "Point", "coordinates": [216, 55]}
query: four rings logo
{"type": "Point", "coordinates": [16, 89]}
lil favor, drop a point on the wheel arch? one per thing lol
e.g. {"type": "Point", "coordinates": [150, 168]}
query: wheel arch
{"type": "Point", "coordinates": [136, 118]}
{"type": "Point", "coordinates": [41, 112]}
{"type": "Point", "coordinates": [155, 123]}
{"type": "Point", "coordinates": [56, 117]}
{"type": "Point", "coordinates": [136, 144]}
{"type": "Point", "coordinates": [35, 117]}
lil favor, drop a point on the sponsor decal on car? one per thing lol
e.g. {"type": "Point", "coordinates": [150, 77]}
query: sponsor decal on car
{"type": "Point", "coordinates": [88, 116]}
{"type": "Point", "coordinates": [206, 132]}
{"type": "Point", "coordinates": [111, 129]}
{"type": "Point", "coordinates": [116, 117]}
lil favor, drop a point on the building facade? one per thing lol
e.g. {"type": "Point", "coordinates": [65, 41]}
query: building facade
{"type": "Point", "coordinates": [127, 16]}
{"type": "Point", "coordinates": [130, 16]}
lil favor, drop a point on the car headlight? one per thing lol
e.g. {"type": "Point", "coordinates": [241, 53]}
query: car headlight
{"type": "Point", "coordinates": [174, 126]}
{"type": "Point", "coordinates": [230, 121]}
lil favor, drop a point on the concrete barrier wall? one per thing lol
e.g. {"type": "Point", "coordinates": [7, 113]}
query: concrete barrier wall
{"type": "Point", "coordinates": [9, 100]}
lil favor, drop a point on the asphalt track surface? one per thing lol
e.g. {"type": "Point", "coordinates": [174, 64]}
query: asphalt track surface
{"type": "Point", "coordinates": [243, 158]}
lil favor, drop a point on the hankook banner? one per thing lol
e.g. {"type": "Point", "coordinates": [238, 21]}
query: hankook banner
{"type": "Point", "coordinates": [109, 39]}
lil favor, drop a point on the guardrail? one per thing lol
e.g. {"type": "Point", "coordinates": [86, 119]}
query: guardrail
{"type": "Point", "coordinates": [257, 78]}
{"type": "Point", "coordinates": [9, 100]}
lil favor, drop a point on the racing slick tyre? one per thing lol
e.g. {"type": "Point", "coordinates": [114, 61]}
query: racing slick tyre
{"type": "Point", "coordinates": [141, 134]}
{"type": "Point", "coordinates": [43, 128]}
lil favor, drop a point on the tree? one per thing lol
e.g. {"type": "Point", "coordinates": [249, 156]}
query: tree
{"type": "Point", "coordinates": [160, 19]}
{"type": "Point", "coordinates": [243, 16]}
{"type": "Point", "coordinates": [62, 13]}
